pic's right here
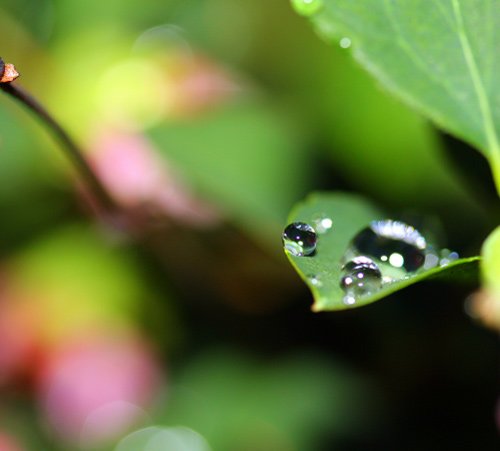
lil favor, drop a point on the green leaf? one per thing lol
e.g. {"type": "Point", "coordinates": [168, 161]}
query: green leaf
{"type": "Point", "coordinates": [350, 214]}
{"type": "Point", "coordinates": [239, 403]}
{"type": "Point", "coordinates": [439, 57]}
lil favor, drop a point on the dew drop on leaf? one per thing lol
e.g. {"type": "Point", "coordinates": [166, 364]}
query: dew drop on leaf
{"type": "Point", "coordinates": [394, 245]}
{"type": "Point", "coordinates": [299, 239]}
{"type": "Point", "coordinates": [315, 281]}
{"type": "Point", "coordinates": [447, 257]}
{"type": "Point", "coordinates": [323, 224]}
{"type": "Point", "coordinates": [361, 277]}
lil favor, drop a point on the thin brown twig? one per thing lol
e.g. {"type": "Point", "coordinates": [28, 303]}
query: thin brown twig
{"type": "Point", "coordinates": [72, 150]}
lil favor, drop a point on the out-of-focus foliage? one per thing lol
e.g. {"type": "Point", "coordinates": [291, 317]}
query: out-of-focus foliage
{"type": "Point", "coordinates": [59, 282]}
{"type": "Point", "coordinates": [238, 156]}
{"type": "Point", "coordinates": [238, 403]}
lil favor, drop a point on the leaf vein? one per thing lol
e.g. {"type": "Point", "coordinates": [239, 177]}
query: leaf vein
{"type": "Point", "coordinates": [413, 55]}
{"type": "Point", "coordinates": [477, 83]}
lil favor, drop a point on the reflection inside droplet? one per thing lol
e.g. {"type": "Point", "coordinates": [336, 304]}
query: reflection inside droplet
{"type": "Point", "coordinates": [396, 260]}
{"type": "Point", "coordinates": [349, 300]}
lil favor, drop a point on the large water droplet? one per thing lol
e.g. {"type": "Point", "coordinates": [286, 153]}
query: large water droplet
{"type": "Point", "coordinates": [307, 7]}
{"type": "Point", "coordinates": [393, 244]}
{"type": "Point", "coordinates": [361, 277]}
{"type": "Point", "coordinates": [299, 239]}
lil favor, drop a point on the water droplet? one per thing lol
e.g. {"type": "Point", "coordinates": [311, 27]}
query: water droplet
{"type": "Point", "coordinates": [299, 239]}
{"type": "Point", "coordinates": [323, 224]}
{"type": "Point", "coordinates": [447, 257]}
{"type": "Point", "coordinates": [315, 280]}
{"type": "Point", "coordinates": [307, 7]}
{"type": "Point", "coordinates": [431, 260]}
{"type": "Point", "coordinates": [397, 245]}
{"type": "Point", "coordinates": [361, 277]}
{"type": "Point", "coordinates": [345, 43]}
{"type": "Point", "coordinates": [349, 300]}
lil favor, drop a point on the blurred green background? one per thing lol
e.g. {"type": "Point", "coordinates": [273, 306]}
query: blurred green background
{"type": "Point", "coordinates": [207, 120]}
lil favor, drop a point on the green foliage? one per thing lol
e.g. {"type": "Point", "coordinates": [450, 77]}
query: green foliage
{"type": "Point", "coordinates": [237, 155]}
{"type": "Point", "coordinates": [439, 57]}
{"type": "Point", "coordinates": [62, 273]}
{"type": "Point", "coordinates": [239, 403]}
{"type": "Point", "coordinates": [298, 116]}
{"type": "Point", "coordinates": [322, 272]}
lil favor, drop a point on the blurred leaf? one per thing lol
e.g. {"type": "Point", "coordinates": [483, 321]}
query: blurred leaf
{"type": "Point", "coordinates": [71, 282]}
{"type": "Point", "coordinates": [350, 214]}
{"type": "Point", "coordinates": [438, 57]}
{"type": "Point", "coordinates": [245, 157]}
{"type": "Point", "coordinates": [490, 265]}
{"type": "Point", "coordinates": [239, 404]}
{"type": "Point", "coordinates": [19, 420]}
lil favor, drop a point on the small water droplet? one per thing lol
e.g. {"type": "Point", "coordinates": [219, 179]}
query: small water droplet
{"type": "Point", "coordinates": [349, 300]}
{"type": "Point", "coordinates": [361, 277]}
{"type": "Point", "coordinates": [315, 280]}
{"type": "Point", "coordinates": [299, 239]}
{"type": "Point", "coordinates": [431, 260]}
{"type": "Point", "coordinates": [323, 224]}
{"type": "Point", "coordinates": [345, 43]}
{"type": "Point", "coordinates": [447, 257]}
{"type": "Point", "coordinates": [307, 7]}
{"type": "Point", "coordinates": [396, 244]}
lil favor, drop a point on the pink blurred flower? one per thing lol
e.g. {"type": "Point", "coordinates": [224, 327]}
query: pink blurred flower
{"type": "Point", "coordinates": [198, 84]}
{"type": "Point", "coordinates": [93, 390]}
{"type": "Point", "coordinates": [131, 170]}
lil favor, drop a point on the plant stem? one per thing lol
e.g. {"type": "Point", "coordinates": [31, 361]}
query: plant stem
{"type": "Point", "coordinates": [96, 189]}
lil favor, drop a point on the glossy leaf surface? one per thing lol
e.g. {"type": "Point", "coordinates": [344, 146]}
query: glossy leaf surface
{"type": "Point", "coordinates": [439, 57]}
